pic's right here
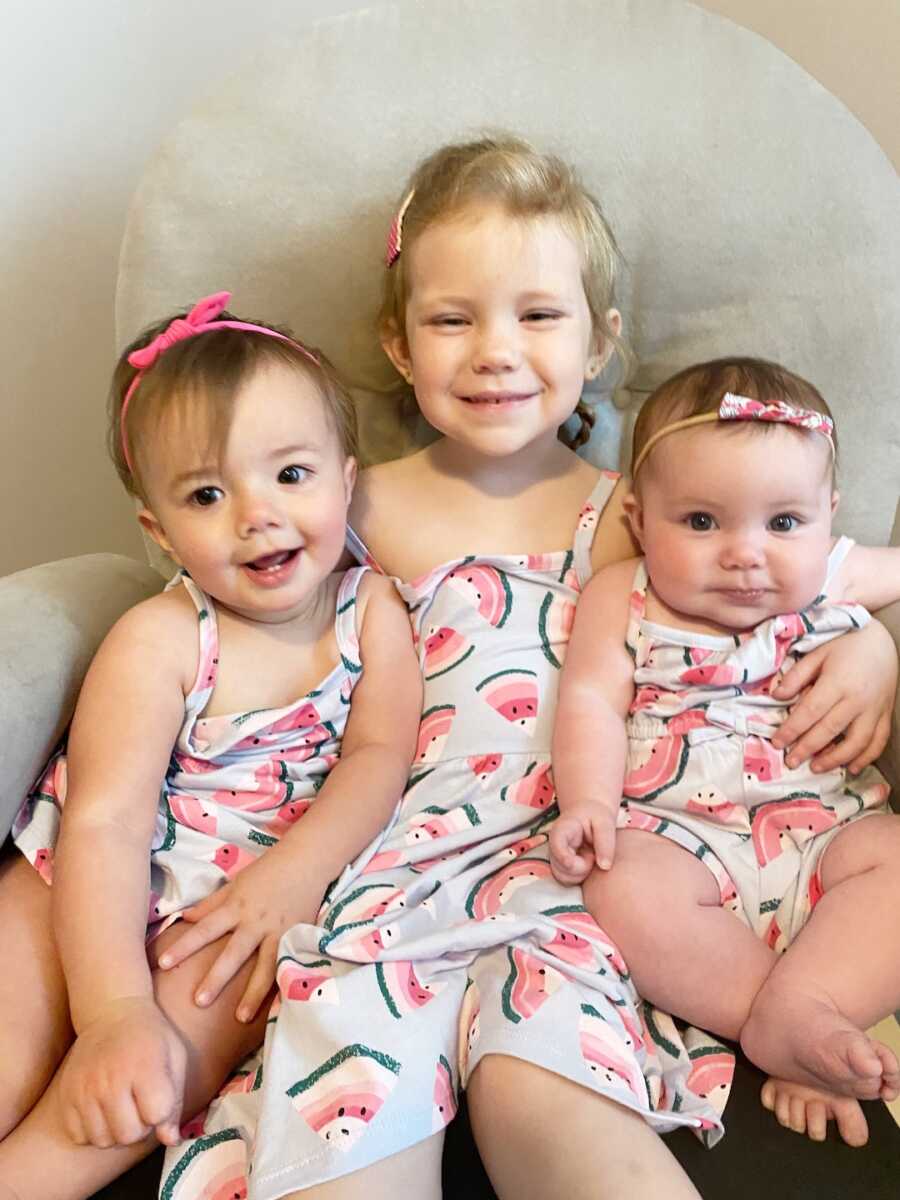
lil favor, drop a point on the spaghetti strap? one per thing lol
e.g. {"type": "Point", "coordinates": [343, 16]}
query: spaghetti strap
{"type": "Point", "coordinates": [360, 551]}
{"type": "Point", "coordinates": [636, 605]}
{"type": "Point", "coordinates": [839, 552]}
{"type": "Point", "coordinates": [346, 629]}
{"type": "Point", "coordinates": [588, 519]}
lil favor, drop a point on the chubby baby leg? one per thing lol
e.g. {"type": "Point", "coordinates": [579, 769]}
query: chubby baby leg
{"type": "Point", "coordinates": [215, 1042]}
{"type": "Point", "coordinates": [687, 954]}
{"type": "Point", "coordinates": [840, 975]}
{"type": "Point", "coordinates": [35, 1031]}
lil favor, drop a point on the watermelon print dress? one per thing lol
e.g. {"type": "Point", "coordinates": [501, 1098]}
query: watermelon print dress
{"type": "Point", "coordinates": [235, 782]}
{"type": "Point", "coordinates": [453, 940]}
{"type": "Point", "coordinates": [702, 770]}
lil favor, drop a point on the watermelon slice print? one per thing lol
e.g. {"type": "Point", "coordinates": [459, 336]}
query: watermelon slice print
{"type": "Point", "coordinates": [484, 765]}
{"type": "Point", "coordinates": [606, 1055]}
{"type": "Point", "coordinates": [485, 588]}
{"type": "Point", "coordinates": [214, 1167]}
{"type": "Point", "coordinates": [401, 989]}
{"type": "Point", "coordinates": [433, 732]}
{"type": "Point", "coordinates": [534, 790]}
{"type": "Point", "coordinates": [530, 982]}
{"type": "Point", "coordinates": [513, 695]}
{"type": "Point", "coordinates": [444, 650]}
{"type": "Point", "coordinates": [555, 622]}
{"type": "Point", "coordinates": [444, 1104]}
{"type": "Point", "coordinates": [795, 819]}
{"type": "Point", "coordinates": [340, 1099]}
{"type": "Point", "coordinates": [312, 983]}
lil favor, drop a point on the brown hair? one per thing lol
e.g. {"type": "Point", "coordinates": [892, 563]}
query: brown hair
{"type": "Point", "coordinates": [509, 172]}
{"type": "Point", "coordinates": [699, 389]}
{"type": "Point", "coordinates": [201, 377]}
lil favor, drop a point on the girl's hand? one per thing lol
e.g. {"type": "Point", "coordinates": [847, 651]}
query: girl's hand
{"type": "Point", "coordinates": [124, 1077]}
{"type": "Point", "coordinates": [580, 840]}
{"type": "Point", "coordinates": [851, 682]}
{"type": "Point", "coordinates": [251, 912]}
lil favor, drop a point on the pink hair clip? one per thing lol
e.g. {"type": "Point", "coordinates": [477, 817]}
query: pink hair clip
{"type": "Point", "coordinates": [395, 233]}
{"type": "Point", "coordinates": [201, 319]}
{"type": "Point", "coordinates": [742, 408]}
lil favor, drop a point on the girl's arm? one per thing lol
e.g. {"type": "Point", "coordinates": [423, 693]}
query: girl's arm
{"type": "Point", "coordinates": [126, 1055]}
{"type": "Point", "coordinates": [285, 886]}
{"type": "Point", "coordinates": [851, 681]}
{"type": "Point", "coordinates": [589, 742]}
{"type": "Point", "coordinates": [613, 540]}
{"type": "Point", "coordinates": [870, 576]}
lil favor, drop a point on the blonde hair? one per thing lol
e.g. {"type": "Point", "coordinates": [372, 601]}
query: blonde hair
{"type": "Point", "coordinates": [199, 379]}
{"type": "Point", "coordinates": [509, 172]}
{"type": "Point", "coordinates": [699, 389]}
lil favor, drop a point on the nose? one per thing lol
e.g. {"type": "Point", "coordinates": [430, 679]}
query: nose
{"type": "Point", "coordinates": [498, 349]}
{"type": "Point", "coordinates": [257, 513]}
{"type": "Point", "coordinates": [742, 551]}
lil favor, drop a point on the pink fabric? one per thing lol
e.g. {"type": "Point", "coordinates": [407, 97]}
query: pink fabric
{"type": "Point", "coordinates": [742, 408]}
{"type": "Point", "coordinates": [201, 319]}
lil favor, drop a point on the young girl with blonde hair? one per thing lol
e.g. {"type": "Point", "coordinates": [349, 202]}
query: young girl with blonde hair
{"type": "Point", "coordinates": [237, 741]}
{"type": "Point", "coordinates": [456, 959]}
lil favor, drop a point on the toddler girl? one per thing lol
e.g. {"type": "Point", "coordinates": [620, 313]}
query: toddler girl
{"type": "Point", "coordinates": [667, 699]}
{"type": "Point", "coordinates": [290, 693]}
{"type": "Point", "coordinates": [455, 957]}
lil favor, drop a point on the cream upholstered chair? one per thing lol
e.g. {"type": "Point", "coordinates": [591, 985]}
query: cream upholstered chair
{"type": "Point", "coordinates": [755, 214]}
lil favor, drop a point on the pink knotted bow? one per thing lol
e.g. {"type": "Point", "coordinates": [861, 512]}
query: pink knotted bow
{"type": "Point", "coordinates": [742, 408]}
{"type": "Point", "coordinates": [201, 319]}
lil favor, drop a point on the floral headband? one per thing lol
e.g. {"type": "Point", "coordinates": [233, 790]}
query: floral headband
{"type": "Point", "coordinates": [395, 233]}
{"type": "Point", "coordinates": [201, 319]}
{"type": "Point", "coordinates": [742, 408]}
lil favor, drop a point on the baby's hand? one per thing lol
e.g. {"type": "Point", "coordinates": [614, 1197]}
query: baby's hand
{"type": "Point", "coordinates": [124, 1077]}
{"type": "Point", "coordinates": [581, 839]}
{"type": "Point", "coordinates": [251, 912]}
{"type": "Point", "coordinates": [844, 718]}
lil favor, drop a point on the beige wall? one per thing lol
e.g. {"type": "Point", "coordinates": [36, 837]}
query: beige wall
{"type": "Point", "coordinates": [93, 92]}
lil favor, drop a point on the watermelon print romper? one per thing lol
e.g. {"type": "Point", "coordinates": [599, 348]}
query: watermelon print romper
{"type": "Point", "coordinates": [452, 940]}
{"type": "Point", "coordinates": [702, 770]}
{"type": "Point", "coordinates": [235, 782]}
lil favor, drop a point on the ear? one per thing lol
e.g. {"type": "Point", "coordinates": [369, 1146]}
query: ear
{"type": "Point", "coordinates": [395, 346]}
{"type": "Point", "coordinates": [151, 525]}
{"type": "Point", "coordinates": [835, 501]}
{"type": "Point", "coordinates": [604, 349]}
{"type": "Point", "coordinates": [350, 472]}
{"type": "Point", "coordinates": [635, 513]}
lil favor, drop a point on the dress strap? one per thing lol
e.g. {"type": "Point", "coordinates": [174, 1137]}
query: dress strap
{"type": "Point", "coordinates": [360, 550]}
{"type": "Point", "coordinates": [839, 552]}
{"type": "Point", "coordinates": [588, 520]}
{"type": "Point", "coordinates": [208, 628]}
{"type": "Point", "coordinates": [636, 604]}
{"type": "Point", "coordinates": [346, 629]}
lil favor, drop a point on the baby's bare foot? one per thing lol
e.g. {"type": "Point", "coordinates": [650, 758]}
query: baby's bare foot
{"type": "Point", "coordinates": [808, 1110]}
{"type": "Point", "coordinates": [806, 1039]}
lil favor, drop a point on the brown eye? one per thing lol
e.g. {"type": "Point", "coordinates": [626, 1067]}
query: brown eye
{"type": "Point", "coordinates": [205, 496]}
{"type": "Point", "coordinates": [292, 474]}
{"type": "Point", "coordinates": [783, 523]}
{"type": "Point", "coordinates": [701, 522]}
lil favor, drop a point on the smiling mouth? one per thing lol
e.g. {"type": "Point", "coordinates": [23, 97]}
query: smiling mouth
{"type": "Point", "coordinates": [492, 399]}
{"type": "Point", "coordinates": [272, 562]}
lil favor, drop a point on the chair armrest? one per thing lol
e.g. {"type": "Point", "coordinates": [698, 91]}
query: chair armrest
{"type": "Point", "coordinates": [890, 760]}
{"type": "Point", "coordinates": [52, 619]}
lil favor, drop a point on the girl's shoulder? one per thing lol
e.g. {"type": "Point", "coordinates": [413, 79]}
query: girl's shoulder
{"type": "Point", "coordinates": [613, 541]}
{"type": "Point", "coordinates": [158, 634]}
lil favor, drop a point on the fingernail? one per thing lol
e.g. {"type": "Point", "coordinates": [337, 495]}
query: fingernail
{"type": "Point", "coordinates": [243, 1014]}
{"type": "Point", "coordinates": [605, 864]}
{"type": "Point", "coordinates": [203, 998]}
{"type": "Point", "coordinates": [165, 961]}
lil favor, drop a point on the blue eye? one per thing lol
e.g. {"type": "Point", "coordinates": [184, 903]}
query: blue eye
{"type": "Point", "coordinates": [205, 496]}
{"type": "Point", "coordinates": [292, 474]}
{"type": "Point", "coordinates": [783, 523]}
{"type": "Point", "coordinates": [701, 522]}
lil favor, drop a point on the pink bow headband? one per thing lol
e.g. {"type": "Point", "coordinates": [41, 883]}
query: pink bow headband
{"type": "Point", "coordinates": [742, 408]}
{"type": "Point", "coordinates": [201, 319]}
